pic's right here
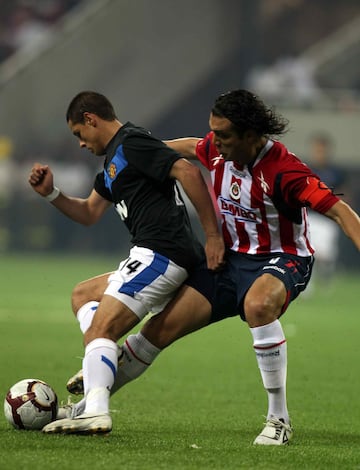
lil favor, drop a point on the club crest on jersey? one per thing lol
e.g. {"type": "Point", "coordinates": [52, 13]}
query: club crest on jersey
{"type": "Point", "coordinates": [112, 170]}
{"type": "Point", "coordinates": [235, 191]}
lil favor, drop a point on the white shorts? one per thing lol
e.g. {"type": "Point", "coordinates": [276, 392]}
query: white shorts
{"type": "Point", "coordinates": [146, 281]}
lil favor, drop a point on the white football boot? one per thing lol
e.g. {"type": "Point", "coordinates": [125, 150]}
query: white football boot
{"type": "Point", "coordinates": [82, 424]}
{"type": "Point", "coordinates": [275, 433]}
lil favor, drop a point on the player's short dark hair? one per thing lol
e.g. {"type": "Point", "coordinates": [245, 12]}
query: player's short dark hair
{"type": "Point", "coordinates": [89, 102]}
{"type": "Point", "coordinates": [246, 111]}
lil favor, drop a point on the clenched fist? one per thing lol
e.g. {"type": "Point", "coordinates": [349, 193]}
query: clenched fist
{"type": "Point", "coordinates": [41, 179]}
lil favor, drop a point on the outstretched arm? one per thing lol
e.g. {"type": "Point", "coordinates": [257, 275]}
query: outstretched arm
{"type": "Point", "coordinates": [84, 211]}
{"type": "Point", "coordinates": [195, 187]}
{"type": "Point", "coordinates": [348, 220]}
{"type": "Point", "coordinates": [186, 146]}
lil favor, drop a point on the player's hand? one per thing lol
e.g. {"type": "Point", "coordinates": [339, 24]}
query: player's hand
{"type": "Point", "coordinates": [215, 251]}
{"type": "Point", "coordinates": [41, 179]}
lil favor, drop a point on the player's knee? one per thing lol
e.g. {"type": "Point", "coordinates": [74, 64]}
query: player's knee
{"type": "Point", "coordinates": [79, 296]}
{"type": "Point", "coordinates": [160, 332]}
{"type": "Point", "coordinates": [260, 310]}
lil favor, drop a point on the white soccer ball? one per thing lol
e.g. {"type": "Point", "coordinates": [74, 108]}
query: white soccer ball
{"type": "Point", "coordinates": [30, 404]}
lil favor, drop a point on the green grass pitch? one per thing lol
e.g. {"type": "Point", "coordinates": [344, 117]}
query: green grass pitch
{"type": "Point", "coordinates": [201, 404]}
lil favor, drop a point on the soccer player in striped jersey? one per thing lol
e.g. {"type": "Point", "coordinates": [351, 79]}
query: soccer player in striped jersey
{"type": "Point", "coordinates": [262, 192]}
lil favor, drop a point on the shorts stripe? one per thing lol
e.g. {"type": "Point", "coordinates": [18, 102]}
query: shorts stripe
{"type": "Point", "coordinates": [157, 267]}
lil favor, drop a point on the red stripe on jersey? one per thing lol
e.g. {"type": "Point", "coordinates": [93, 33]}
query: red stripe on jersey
{"type": "Point", "coordinates": [244, 239]}
{"type": "Point", "coordinates": [226, 235]}
{"type": "Point", "coordinates": [287, 235]}
{"type": "Point", "coordinates": [263, 232]}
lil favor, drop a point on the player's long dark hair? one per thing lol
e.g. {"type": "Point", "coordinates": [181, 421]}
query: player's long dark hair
{"type": "Point", "coordinates": [89, 102]}
{"type": "Point", "coordinates": [246, 111]}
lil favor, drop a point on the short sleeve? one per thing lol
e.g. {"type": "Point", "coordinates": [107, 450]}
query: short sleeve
{"type": "Point", "coordinates": [150, 156]}
{"type": "Point", "coordinates": [100, 187]}
{"type": "Point", "coordinates": [205, 150]}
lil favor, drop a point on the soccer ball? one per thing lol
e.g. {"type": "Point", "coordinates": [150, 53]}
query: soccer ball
{"type": "Point", "coordinates": [30, 404]}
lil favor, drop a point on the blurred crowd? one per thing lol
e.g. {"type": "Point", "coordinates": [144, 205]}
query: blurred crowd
{"type": "Point", "coordinates": [276, 70]}
{"type": "Point", "coordinates": [24, 23]}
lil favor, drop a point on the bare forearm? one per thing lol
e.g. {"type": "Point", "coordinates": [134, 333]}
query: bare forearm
{"type": "Point", "coordinates": [76, 209]}
{"type": "Point", "coordinates": [197, 191]}
{"type": "Point", "coordinates": [348, 220]}
{"type": "Point", "coordinates": [186, 146]}
{"type": "Point", "coordinates": [84, 211]}
{"type": "Point", "coordinates": [195, 187]}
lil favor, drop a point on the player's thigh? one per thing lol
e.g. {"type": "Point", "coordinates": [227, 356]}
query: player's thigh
{"type": "Point", "coordinates": [187, 312]}
{"type": "Point", "coordinates": [88, 290]}
{"type": "Point", "coordinates": [264, 300]}
{"type": "Point", "coordinates": [112, 320]}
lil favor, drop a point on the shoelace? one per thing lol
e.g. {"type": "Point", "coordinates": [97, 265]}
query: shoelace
{"type": "Point", "coordinates": [277, 423]}
{"type": "Point", "coordinates": [69, 404]}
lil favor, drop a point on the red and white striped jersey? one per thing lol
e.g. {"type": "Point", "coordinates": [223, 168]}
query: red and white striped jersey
{"type": "Point", "coordinates": [260, 204]}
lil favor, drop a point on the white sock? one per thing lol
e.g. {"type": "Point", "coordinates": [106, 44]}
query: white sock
{"type": "Point", "coordinates": [135, 356]}
{"type": "Point", "coordinates": [99, 370]}
{"type": "Point", "coordinates": [79, 407]}
{"type": "Point", "coordinates": [271, 354]}
{"type": "Point", "coordinates": [86, 314]}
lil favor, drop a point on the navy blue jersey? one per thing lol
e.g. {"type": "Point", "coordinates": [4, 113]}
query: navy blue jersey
{"type": "Point", "coordinates": [136, 179]}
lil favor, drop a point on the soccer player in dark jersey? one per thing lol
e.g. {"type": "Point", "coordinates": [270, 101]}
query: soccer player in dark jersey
{"type": "Point", "coordinates": [262, 192]}
{"type": "Point", "coordinates": [139, 180]}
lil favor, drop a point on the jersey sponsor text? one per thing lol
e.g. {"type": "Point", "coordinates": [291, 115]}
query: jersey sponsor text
{"type": "Point", "coordinates": [237, 211]}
